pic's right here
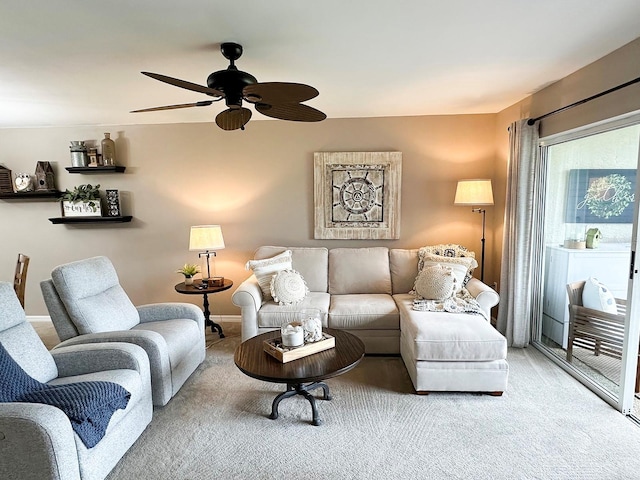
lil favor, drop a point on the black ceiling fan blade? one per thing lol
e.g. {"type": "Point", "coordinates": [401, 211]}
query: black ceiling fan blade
{"type": "Point", "coordinates": [296, 112]}
{"type": "Point", "coordinates": [203, 103]}
{"type": "Point", "coordinates": [184, 84]}
{"type": "Point", "coordinates": [233, 118]}
{"type": "Point", "coordinates": [275, 93]}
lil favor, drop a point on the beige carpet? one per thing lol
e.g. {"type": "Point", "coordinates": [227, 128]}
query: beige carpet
{"type": "Point", "coordinates": [546, 426]}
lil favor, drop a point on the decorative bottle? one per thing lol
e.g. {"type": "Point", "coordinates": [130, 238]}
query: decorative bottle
{"type": "Point", "coordinates": [108, 151]}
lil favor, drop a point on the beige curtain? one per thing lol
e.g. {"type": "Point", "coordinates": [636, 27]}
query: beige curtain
{"type": "Point", "coordinates": [517, 273]}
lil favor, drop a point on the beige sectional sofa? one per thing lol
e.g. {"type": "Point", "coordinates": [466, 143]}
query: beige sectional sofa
{"type": "Point", "coordinates": [365, 291]}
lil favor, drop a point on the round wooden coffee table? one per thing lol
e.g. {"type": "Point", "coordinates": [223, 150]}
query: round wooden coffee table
{"type": "Point", "coordinates": [301, 375]}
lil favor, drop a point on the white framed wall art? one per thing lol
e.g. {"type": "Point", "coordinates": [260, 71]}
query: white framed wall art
{"type": "Point", "coordinates": [357, 195]}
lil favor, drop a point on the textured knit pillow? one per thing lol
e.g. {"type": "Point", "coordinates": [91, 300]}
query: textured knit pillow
{"type": "Point", "coordinates": [436, 282]}
{"type": "Point", "coordinates": [288, 287]}
{"type": "Point", "coordinates": [461, 266]}
{"type": "Point", "coordinates": [266, 268]}
{"type": "Point", "coordinates": [451, 250]}
{"type": "Point", "coordinates": [597, 296]}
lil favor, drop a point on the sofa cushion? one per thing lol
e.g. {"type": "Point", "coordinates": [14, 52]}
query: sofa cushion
{"type": "Point", "coordinates": [403, 264]}
{"type": "Point", "coordinates": [264, 269]}
{"type": "Point", "coordinates": [359, 270]}
{"type": "Point", "coordinates": [288, 287]}
{"type": "Point", "coordinates": [272, 315]}
{"type": "Point", "coordinates": [311, 262]}
{"type": "Point", "coordinates": [461, 266]}
{"type": "Point", "coordinates": [444, 336]}
{"type": "Point", "coordinates": [363, 311]}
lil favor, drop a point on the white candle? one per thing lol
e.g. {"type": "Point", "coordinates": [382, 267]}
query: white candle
{"type": "Point", "coordinates": [292, 334]}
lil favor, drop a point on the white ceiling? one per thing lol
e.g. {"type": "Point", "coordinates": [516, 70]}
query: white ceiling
{"type": "Point", "coordinates": [70, 62]}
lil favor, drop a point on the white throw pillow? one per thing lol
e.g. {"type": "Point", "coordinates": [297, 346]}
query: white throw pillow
{"type": "Point", "coordinates": [288, 287]}
{"type": "Point", "coordinates": [266, 268]}
{"type": "Point", "coordinates": [436, 282]}
{"type": "Point", "coordinates": [597, 296]}
{"type": "Point", "coordinates": [461, 266]}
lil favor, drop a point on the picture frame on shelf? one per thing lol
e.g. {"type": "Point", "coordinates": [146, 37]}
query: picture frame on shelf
{"type": "Point", "coordinates": [113, 203]}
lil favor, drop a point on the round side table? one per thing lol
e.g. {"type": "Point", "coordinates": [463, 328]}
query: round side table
{"type": "Point", "coordinates": [198, 289]}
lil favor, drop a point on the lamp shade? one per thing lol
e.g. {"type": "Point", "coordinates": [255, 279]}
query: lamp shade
{"type": "Point", "coordinates": [206, 237]}
{"type": "Point", "coordinates": [474, 192]}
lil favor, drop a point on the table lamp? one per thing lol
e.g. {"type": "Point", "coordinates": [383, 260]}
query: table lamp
{"type": "Point", "coordinates": [475, 192]}
{"type": "Point", "coordinates": [206, 239]}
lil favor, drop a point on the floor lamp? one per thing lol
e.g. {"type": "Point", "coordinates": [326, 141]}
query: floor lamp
{"type": "Point", "coordinates": [208, 238]}
{"type": "Point", "coordinates": [476, 192]}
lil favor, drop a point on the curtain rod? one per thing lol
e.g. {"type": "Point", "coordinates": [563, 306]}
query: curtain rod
{"type": "Point", "coordinates": [531, 121]}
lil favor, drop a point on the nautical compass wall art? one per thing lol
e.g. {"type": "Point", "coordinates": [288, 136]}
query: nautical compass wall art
{"type": "Point", "coordinates": [357, 195]}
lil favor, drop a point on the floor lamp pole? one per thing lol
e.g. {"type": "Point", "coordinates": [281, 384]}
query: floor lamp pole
{"type": "Point", "coordinates": [483, 212]}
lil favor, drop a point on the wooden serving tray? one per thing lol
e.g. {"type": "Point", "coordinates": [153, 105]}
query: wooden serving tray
{"type": "Point", "coordinates": [275, 348]}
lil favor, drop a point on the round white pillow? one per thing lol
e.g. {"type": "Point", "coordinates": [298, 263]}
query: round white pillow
{"type": "Point", "coordinates": [436, 282]}
{"type": "Point", "coordinates": [288, 287]}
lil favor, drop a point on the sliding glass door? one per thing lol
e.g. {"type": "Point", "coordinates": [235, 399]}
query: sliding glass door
{"type": "Point", "coordinates": [587, 322]}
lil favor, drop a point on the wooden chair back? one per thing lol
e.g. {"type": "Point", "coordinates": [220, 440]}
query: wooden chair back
{"type": "Point", "coordinates": [20, 277]}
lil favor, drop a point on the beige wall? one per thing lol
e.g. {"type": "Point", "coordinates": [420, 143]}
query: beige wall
{"type": "Point", "coordinates": [616, 68]}
{"type": "Point", "coordinates": [257, 184]}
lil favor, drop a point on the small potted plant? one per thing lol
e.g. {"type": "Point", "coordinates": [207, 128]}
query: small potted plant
{"type": "Point", "coordinates": [189, 270]}
{"type": "Point", "coordinates": [82, 201]}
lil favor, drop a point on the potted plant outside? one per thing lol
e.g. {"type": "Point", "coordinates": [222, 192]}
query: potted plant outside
{"type": "Point", "coordinates": [189, 270]}
{"type": "Point", "coordinates": [82, 201]}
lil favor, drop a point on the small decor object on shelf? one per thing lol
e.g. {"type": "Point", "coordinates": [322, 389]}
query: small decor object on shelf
{"type": "Point", "coordinates": [45, 179]}
{"type": "Point", "coordinates": [94, 158]}
{"type": "Point", "coordinates": [6, 185]}
{"type": "Point", "coordinates": [23, 182]}
{"type": "Point", "coordinates": [593, 237]}
{"type": "Point", "coordinates": [189, 270]}
{"type": "Point", "coordinates": [108, 151]}
{"type": "Point", "coordinates": [278, 350]}
{"type": "Point", "coordinates": [82, 201]}
{"type": "Point", "coordinates": [113, 203]}
{"type": "Point", "coordinates": [79, 156]}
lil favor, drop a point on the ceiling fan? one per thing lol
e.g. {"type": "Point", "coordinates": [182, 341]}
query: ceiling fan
{"type": "Point", "coordinates": [282, 100]}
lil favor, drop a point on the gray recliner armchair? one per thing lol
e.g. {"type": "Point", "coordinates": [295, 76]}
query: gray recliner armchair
{"type": "Point", "coordinates": [37, 440]}
{"type": "Point", "coordinates": [87, 304]}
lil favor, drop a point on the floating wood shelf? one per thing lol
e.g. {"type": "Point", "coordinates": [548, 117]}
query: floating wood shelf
{"type": "Point", "coordinates": [107, 169]}
{"type": "Point", "coordinates": [85, 220]}
{"type": "Point", "coordinates": [34, 195]}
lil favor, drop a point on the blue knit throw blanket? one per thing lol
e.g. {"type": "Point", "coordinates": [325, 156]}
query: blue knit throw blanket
{"type": "Point", "coordinates": [89, 405]}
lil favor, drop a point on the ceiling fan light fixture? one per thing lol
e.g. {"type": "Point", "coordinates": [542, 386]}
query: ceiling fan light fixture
{"type": "Point", "coordinates": [280, 100]}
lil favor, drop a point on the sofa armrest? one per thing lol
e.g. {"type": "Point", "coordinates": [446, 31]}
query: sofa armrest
{"type": "Point", "coordinates": [154, 312]}
{"type": "Point", "coordinates": [248, 296]}
{"type": "Point", "coordinates": [37, 442]}
{"type": "Point", "coordinates": [74, 358]}
{"type": "Point", "coordinates": [486, 296]}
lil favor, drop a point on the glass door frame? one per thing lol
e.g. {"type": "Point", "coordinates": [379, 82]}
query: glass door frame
{"type": "Point", "coordinates": [624, 401]}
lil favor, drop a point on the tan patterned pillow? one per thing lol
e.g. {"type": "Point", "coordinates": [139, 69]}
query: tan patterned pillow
{"type": "Point", "coordinates": [266, 268]}
{"type": "Point", "coordinates": [452, 250]}
{"type": "Point", "coordinates": [461, 266]}
{"type": "Point", "coordinates": [436, 282]}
